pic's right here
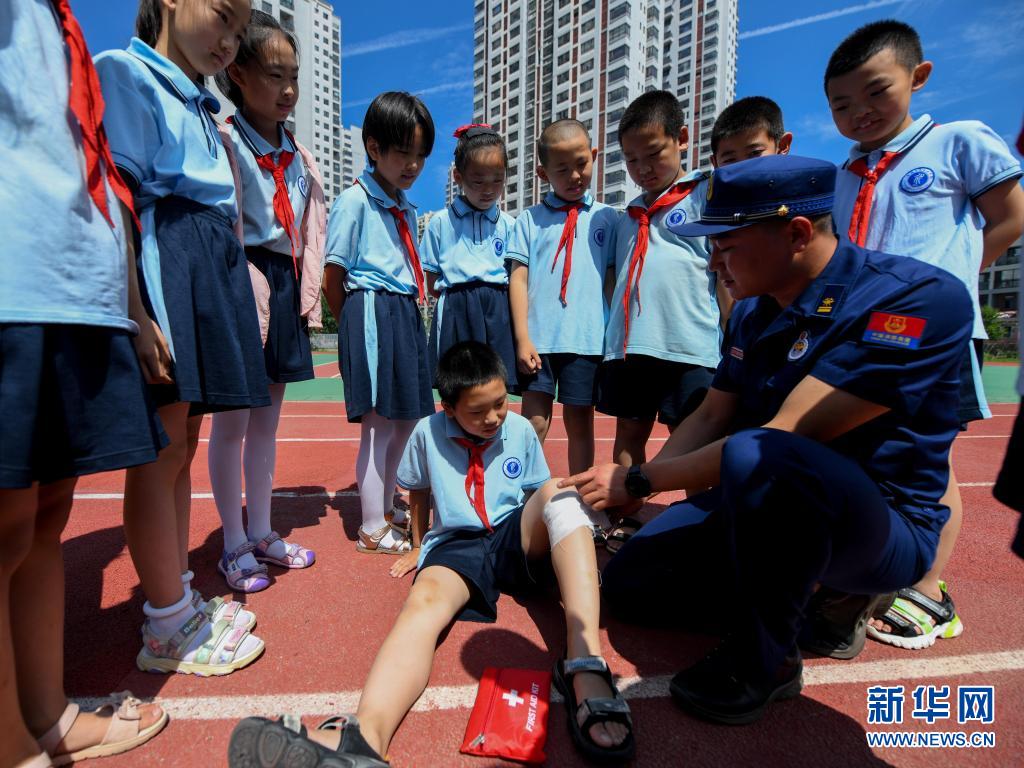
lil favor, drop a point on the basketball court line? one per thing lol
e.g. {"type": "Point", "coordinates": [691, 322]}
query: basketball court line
{"type": "Point", "coordinates": [458, 697]}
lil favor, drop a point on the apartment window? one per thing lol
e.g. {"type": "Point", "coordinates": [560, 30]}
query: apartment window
{"type": "Point", "coordinates": [563, 77]}
{"type": "Point", "coordinates": [513, 137]}
{"type": "Point", "coordinates": [495, 77]}
{"type": "Point", "coordinates": [685, 39]}
{"type": "Point", "coordinates": [287, 21]}
{"type": "Point", "coordinates": [615, 198]}
{"type": "Point", "coordinates": [513, 102]}
{"type": "Point", "coordinates": [513, 67]}
{"type": "Point", "coordinates": [587, 6]}
{"type": "Point", "coordinates": [619, 73]}
{"type": "Point", "coordinates": [618, 12]}
{"type": "Point", "coordinates": [617, 94]}
{"type": "Point", "coordinates": [513, 50]}
{"type": "Point", "coordinates": [513, 17]}
{"type": "Point", "coordinates": [477, 74]}
{"type": "Point", "coordinates": [496, 94]}
{"type": "Point", "coordinates": [267, 7]}
{"type": "Point", "coordinates": [586, 106]}
{"type": "Point", "coordinates": [587, 65]}
{"type": "Point", "coordinates": [651, 73]}
{"type": "Point", "coordinates": [563, 96]}
{"type": "Point", "coordinates": [564, 21]}
{"type": "Point", "coordinates": [586, 85]}
{"type": "Point", "coordinates": [563, 59]}
{"type": "Point", "coordinates": [615, 177]}
{"type": "Point", "coordinates": [514, 32]}
{"type": "Point", "coordinates": [618, 33]}
{"type": "Point", "coordinates": [496, 61]}
{"type": "Point", "coordinates": [563, 39]}
{"type": "Point", "coordinates": [618, 53]}
{"type": "Point", "coordinates": [708, 96]}
{"type": "Point", "coordinates": [615, 115]}
{"type": "Point", "coordinates": [289, 4]}
{"type": "Point", "coordinates": [685, 53]}
{"type": "Point", "coordinates": [588, 45]}
{"type": "Point", "coordinates": [613, 157]}
{"type": "Point", "coordinates": [587, 26]}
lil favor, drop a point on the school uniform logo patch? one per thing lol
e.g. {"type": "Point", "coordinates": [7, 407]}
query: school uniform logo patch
{"type": "Point", "coordinates": [736, 352]}
{"type": "Point", "coordinates": [917, 180]}
{"type": "Point", "coordinates": [499, 246]}
{"type": "Point", "coordinates": [512, 468]}
{"type": "Point", "coordinates": [303, 186]}
{"type": "Point", "coordinates": [599, 237]}
{"type": "Point", "coordinates": [676, 218]}
{"type": "Point", "coordinates": [902, 331]}
{"type": "Point", "coordinates": [800, 347]}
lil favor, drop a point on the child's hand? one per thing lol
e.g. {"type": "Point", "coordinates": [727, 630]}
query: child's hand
{"type": "Point", "coordinates": [528, 358]}
{"type": "Point", "coordinates": [406, 563]}
{"type": "Point", "coordinates": [154, 355]}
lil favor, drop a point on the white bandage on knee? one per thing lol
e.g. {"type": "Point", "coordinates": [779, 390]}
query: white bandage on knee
{"type": "Point", "coordinates": [562, 515]}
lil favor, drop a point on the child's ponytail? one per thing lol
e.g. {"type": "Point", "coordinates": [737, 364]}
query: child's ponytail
{"type": "Point", "coordinates": [148, 22]}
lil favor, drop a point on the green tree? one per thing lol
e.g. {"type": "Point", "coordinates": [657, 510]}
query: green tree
{"type": "Point", "coordinates": [330, 324]}
{"type": "Point", "coordinates": [994, 327]}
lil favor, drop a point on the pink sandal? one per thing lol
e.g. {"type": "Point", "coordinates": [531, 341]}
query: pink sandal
{"type": "Point", "coordinates": [294, 556]}
{"type": "Point", "coordinates": [123, 733]}
{"type": "Point", "coordinates": [243, 579]}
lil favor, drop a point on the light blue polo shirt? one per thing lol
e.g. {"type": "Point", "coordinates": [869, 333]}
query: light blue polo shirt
{"type": "Point", "coordinates": [513, 465]}
{"type": "Point", "coordinates": [363, 239]}
{"type": "Point", "coordinates": [679, 318]}
{"type": "Point", "coordinates": [61, 261]}
{"type": "Point", "coordinates": [260, 225]}
{"type": "Point", "coordinates": [161, 129]}
{"type": "Point", "coordinates": [463, 244]}
{"type": "Point", "coordinates": [923, 204]}
{"type": "Point", "coordinates": [578, 326]}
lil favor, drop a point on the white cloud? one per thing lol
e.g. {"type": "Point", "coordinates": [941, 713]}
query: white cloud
{"type": "Point", "coordinates": [434, 89]}
{"type": "Point", "coordinates": [816, 18]}
{"type": "Point", "coordinates": [401, 39]}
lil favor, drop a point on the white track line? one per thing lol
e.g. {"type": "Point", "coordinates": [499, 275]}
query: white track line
{"type": "Point", "coordinates": [457, 697]}
{"type": "Point", "coordinates": [200, 495]}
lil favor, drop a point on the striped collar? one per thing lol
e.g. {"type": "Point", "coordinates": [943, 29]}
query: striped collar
{"type": "Point", "coordinates": [905, 140]}
{"type": "Point", "coordinates": [461, 207]}
{"type": "Point", "coordinates": [376, 193]}
{"type": "Point", "coordinates": [256, 143]}
{"type": "Point", "coordinates": [177, 81]}
{"type": "Point", "coordinates": [554, 202]}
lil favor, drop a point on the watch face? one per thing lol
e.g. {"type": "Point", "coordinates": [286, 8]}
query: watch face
{"type": "Point", "coordinates": [637, 485]}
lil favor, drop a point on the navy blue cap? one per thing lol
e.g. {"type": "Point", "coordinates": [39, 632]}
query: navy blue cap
{"type": "Point", "coordinates": [762, 189]}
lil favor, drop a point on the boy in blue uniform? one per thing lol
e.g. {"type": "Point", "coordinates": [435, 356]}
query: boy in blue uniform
{"type": "Point", "coordinates": [662, 339]}
{"type": "Point", "coordinates": [824, 437]}
{"type": "Point", "coordinates": [495, 508]}
{"type": "Point", "coordinates": [749, 127]}
{"type": "Point", "coordinates": [946, 194]}
{"type": "Point", "coordinates": [561, 252]}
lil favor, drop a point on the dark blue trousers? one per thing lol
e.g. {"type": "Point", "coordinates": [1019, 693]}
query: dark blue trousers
{"type": "Point", "coordinates": [790, 513]}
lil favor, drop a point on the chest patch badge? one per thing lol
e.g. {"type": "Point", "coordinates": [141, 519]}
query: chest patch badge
{"type": "Point", "coordinates": [677, 217]}
{"type": "Point", "coordinates": [599, 237]}
{"type": "Point", "coordinates": [917, 180]}
{"type": "Point", "coordinates": [303, 186]}
{"type": "Point", "coordinates": [800, 347]}
{"type": "Point", "coordinates": [736, 353]}
{"type": "Point", "coordinates": [901, 331]}
{"type": "Point", "coordinates": [512, 468]}
{"type": "Point", "coordinates": [499, 246]}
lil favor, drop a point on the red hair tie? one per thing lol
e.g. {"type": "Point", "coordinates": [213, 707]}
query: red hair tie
{"type": "Point", "coordinates": [481, 128]}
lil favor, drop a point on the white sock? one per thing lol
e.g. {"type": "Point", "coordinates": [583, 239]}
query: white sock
{"type": "Point", "coordinates": [225, 462]}
{"type": "Point", "coordinates": [258, 459]}
{"type": "Point", "coordinates": [166, 621]}
{"type": "Point", "coordinates": [399, 437]}
{"type": "Point", "coordinates": [371, 464]}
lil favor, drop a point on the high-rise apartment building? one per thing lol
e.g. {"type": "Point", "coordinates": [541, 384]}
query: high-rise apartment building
{"type": "Point", "coordinates": [536, 61]}
{"type": "Point", "coordinates": [353, 155]}
{"type": "Point", "coordinates": [316, 121]}
{"type": "Point", "coordinates": [451, 188]}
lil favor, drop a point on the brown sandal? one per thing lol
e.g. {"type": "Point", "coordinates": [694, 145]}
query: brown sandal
{"type": "Point", "coordinates": [370, 543]}
{"type": "Point", "coordinates": [122, 734]}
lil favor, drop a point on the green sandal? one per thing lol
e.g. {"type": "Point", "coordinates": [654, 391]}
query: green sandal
{"type": "Point", "coordinates": [917, 621]}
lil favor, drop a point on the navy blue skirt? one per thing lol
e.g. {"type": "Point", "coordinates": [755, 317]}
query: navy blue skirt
{"type": "Point", "coordinates": [218, 353]}
{"type": "Point", "coordinates": [72, 402]}
{"type": "Point", "coordinates": [475, 311]}
{"type": "Point", "coordinates": [382, 353]}
{"type": "Point", "coordinates": [287, 352]}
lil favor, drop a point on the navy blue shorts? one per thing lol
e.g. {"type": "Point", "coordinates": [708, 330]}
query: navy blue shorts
{"type": "Point", "coordinates": [287, 352]}
{"type": "Point", "coordinates": [218, 353]}
{"type": "Point", "coordinates": [970, 405]}
{"type": "Point", "coordinates": [643, 387]}
{"type": "Point", "coordinates": [572, 377]}
{"type": "Point", "coordinates": [491, 563]}
{"type": "Point", "coordinates": [474, 311]}
{"type": "Point", "coordinates": [72, 402]}
{"type": "Point", "coordinates": [382, 353]}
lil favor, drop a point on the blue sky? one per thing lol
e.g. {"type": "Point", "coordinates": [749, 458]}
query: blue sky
{"type": "Point", "coordinates": [427, 48]}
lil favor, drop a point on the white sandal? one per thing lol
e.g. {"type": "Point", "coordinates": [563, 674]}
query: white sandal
{"type": "Point", "coordinates": [122, 734]}
{"type": "Point", "coordinates": [370, 543]}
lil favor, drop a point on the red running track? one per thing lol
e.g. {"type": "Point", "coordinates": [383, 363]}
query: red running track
{"type": "Point", "coordinates": [322, 628]}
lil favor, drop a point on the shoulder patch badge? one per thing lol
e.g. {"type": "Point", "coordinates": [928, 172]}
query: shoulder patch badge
{"type": "Point", "coordinates": [901, 331]}
{"type": "Point", "coordinates": [512, 468]}
{"type": "Point", "coordinates": [499, 246]}
{"type": "Point", "coordinates": [829, 300]}
{"type": "Point", "coordinates": [303, 186]}
{"type": "Point", "coordinates": [599, 237]}
{"type": "Point", "coordinates": [736, 353]}
{"type": "Point", "coordinates": [917, 180]}
{"type": "Point", "coordinates": [676, 217]}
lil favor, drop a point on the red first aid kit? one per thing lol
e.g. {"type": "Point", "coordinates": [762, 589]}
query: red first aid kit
{"type": "Point", "coordinates": [510, 715]}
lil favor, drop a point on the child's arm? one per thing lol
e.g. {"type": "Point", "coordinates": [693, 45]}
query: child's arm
{"type": "Point", "coordinates": [609, 286]}
{"type": "Point", "coordinates": [334, 289]}
{"type": "Point", "coordinates": [419, 521]}
{"type": "Point", "coordinates": [1003, 209]}
{"type": "Point", "coordinates": [150, 344]}
{"type": "Point", "coordinates": [528, 359]}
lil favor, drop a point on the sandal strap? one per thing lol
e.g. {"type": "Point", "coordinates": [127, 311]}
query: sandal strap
{"type": "Point", "coordinates": [264, 544]}
{"type": "Point", "coordinates": [55, 735]}
{"type": "Point", "coordinates": [941, 612]}
{"type": "Point", "coordinates": [913, 613]}
{"type": "Point", "coordinates": [572, 667]}
{"type": "Point", "coordinates": [125, 721]}
{"type": "Point", "coordinates": [375, 537]}
{"type": "Point", "coordinates": [605, 710]}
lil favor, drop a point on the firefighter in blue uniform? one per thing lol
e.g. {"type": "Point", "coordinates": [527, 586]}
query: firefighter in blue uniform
{"type": "Point", "coordinates": [823, 440]}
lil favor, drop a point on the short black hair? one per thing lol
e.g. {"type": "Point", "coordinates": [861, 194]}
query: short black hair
{"type": "Point", "coordinates": [557, 131]}
{"type": "Point", "coordinates": [392, 119]}
{"type": "Point", "coordinates": [474, 142]}
{"type": "Point", "coordinates": [653, 108]}
{"type": "Point", "coordinates": [873, 38]}
{"type": "Point", "coordinates": [466, 365]}
{"type": "Point", "coordinates": [148, 22]}
{"type": "Point", "coordinates": [262, 27]}
{"type": "Point", "coordinates": [747, 114]}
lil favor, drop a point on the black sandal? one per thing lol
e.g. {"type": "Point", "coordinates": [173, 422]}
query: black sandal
{"type": "Point", "coordinates": [613, 709]}
{"type": "Point", "coordinates": [257, 742]}
{"type": "Point", "coordinates": [621, 532]}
